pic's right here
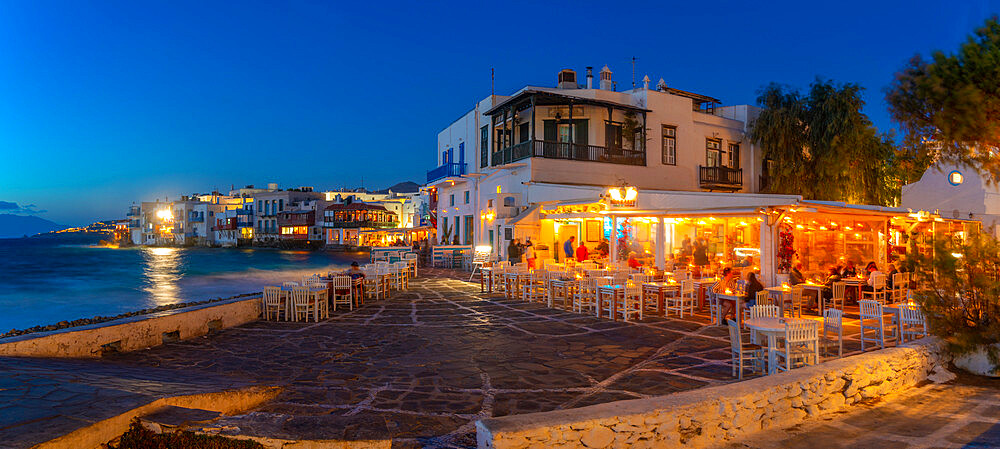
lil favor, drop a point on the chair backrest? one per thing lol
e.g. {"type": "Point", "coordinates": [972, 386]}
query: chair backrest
{"type": "Point", "coordinates": [833, 318]}
{"type": "Point", "coordinates": [342, 281]}
{"type": "Point", "coordinates": [640, 278]}
{"type": "Point", "coordinates": [911, 315]}
{"type": "Point", "coordinates": [764, 298]}
{"type": "Point", "coordinates": [682, 274]}
{"type": "Point", "coordinates": [839, 289]}
{"type": "Point", "coordinates": [687, 286]}
{"type": "Point", "coordinates": [768, 311]}
{"type": "Point", "coordinates": [619, 278]}
{"type": "Point", "coordinates": [878, 281]}
{"type": "Point", "coordinates": [735, 338]}
{"type": "Point", "coordinates": [898, 280]}
{"type": "Point", "coordinates": [504, 264]}
{"type": "Point", "coordinates": [272, 295]}
{"type": "Point", "coordinates": [317, 285]}
{"type": "Point", "coordinates": [290, 284]}
{"type": "Point", "coordinates": [801, 331]}
{"type": "Point", "coordinates": [797, 294]}
{"type": "Point", "coordinates": [300, 295]}
{"type": "Point", "coordinates": [870, 309]}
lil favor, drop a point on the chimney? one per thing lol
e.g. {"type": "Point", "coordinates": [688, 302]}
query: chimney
{"type": "Point", "coordinates": [645, 82]}
{"type": "Point", "coordinates": [567, 79]}
{"type": "Point", "coordinates": [272, 186]}
{"type": "Point", "coordinates": [590, 77]}
{"type": "Point", "coordinates": [661, 85]}
{"type": "Point", "coordinates": [606, 83]}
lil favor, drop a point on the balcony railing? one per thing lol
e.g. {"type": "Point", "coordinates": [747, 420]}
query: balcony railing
{"type": "Point", "coordinates": [360, 224]}
{"type": "Point", "coordinates": [569, 151]}
{"type": "Point", "coordinates": [446, 170]}
{"type": "Point", "coordinates": [196, 218]}
{"type": "Point", "coordinates": [720, 178]}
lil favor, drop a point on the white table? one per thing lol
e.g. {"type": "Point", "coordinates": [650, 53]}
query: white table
{"type": "Point", "coordinates": [772, 328]}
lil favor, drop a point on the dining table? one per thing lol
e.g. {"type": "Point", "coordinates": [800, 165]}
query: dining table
{"type": "Point", "coordinates": [313, 290]}
{"type": "Point", "coordinates": [561, 288]}
{"type": "Point", "coordinates": [659, 290]}
{"type": "Point", "coordinates": [778, 292]}
{"type": "Point", "coordinates": [486, 280]}
{"type": "Point", "coordinates": [611, 292]}
{"type": "Point", "coordinates": [700, 285]}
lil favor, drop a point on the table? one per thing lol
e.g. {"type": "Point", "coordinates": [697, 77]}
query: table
{"type": "Point", "coordinates": [735, 298]}
{"type": "Point", "coordinates": [856, 283]}
{"type": "Point", "coordinates": [779, 293]}
{"type": "Point", "coordinates": [514, 281]}
{"type": "Point", "coordinates": [772, 328]}
{"type": "Point", "coordinates": [818, 288]}
{"type": "Point", "coordinates": [700, 284]}
{"type": "Point", "coordinates": [660, 289]}
{"type": "Point", "coordinates": [567, 286]}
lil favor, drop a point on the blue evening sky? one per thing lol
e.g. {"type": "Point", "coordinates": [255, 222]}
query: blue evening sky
{"type": "Point", "coordinates": [107, 102]}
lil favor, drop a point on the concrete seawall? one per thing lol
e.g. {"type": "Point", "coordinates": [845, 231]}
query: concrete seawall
{"type": "Point", "coordinates": [134, 333]}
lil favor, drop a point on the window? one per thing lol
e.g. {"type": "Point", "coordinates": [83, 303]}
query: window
{"type": "Point", "coordinates": [489, 202]}
{"type": "Point", "coordinates": [613, 135]}
{"type": "Point", "coordinates": [451, 199]}
{"type": "Point", "coordinates": [559, 131]}
{"type": "Point", "coordinates": [713, 152]}
{"type": "Point", "coordinates": [444, 227]}
{"type": "Point", "coordinates": [466, 197]}
{"type": "Point", "coordinates": [508, 201]}
{"type": "Point", "coordinates": [467, 234]}
{"type": "Point", "coordinates": [281, 204]}
{"type": "Point", "coordinates": [669, 145]}
{"type": "Point", "coordinates": [522, 132]}
{"type": "Point", "coordinates": [484, 148]}
{"type": "Point", "coordinates": [734, 155]}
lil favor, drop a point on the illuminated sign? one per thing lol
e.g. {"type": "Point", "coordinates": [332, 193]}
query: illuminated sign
{"type": "Point", "coordinates": [955, 178]}
{"type": "Point", "coordinates": [622, 197]}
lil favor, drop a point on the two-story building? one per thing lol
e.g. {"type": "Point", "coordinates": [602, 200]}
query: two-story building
{"type": "Point", "coordinates": [267, 205]}
{"type": "Point", "coordinates": [571, 142]}
{"type": "Point", "coordinates": [344, 221]}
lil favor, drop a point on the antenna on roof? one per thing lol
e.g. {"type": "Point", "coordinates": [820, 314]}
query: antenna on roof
{"type": "Point", "coordinates": [492, 82]}
{"type": "Point", "coordinates": [634, 59]}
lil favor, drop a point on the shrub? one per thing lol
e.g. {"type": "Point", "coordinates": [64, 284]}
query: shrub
{"type": "Point", "coordinates": [139, 437]}
{"type": "Point", "coordinates": [959, 292]}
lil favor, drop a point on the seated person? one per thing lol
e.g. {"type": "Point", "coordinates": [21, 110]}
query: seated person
{"type": "Point", "coordinates": [633, 263]}
{"type": "Point", "coordinates": [849, 270]}
{"type": "Point", "coordinates": [828, 285]}
{"type": "Point", "coordinates": [888, 276]}
{"type": "Point", "coordinates": [795, 276]}
{"type": "Point", "coordinates": [872, 270]}
{"type": "Point", "coordinates": [753, 287]}
{"type": "Point", "coordinates": [728, 283]}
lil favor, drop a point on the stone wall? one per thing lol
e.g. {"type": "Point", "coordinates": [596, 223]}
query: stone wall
{"type": "Point", "coordinates": [133, 333]}
{"type": "Point", "coordinates": [710, 417]}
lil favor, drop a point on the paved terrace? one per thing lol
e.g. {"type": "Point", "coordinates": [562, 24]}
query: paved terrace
{"type": "Point", "coordinates": [420, 368]}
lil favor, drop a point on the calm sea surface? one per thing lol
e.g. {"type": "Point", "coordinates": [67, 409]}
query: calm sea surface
{"type": "Point", "coordinates": [45, 280]}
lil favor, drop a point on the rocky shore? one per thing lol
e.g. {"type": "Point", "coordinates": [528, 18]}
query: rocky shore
{"type": "Point", "coordinates": [101, 319]}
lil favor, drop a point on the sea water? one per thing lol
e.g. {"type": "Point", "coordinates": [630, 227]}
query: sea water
{"type": "Point", "coordinates": [48, 279]}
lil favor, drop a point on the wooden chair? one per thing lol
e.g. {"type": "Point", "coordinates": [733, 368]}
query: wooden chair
{"type": "Point", "coordinates": [303, 304]}
{"type": "Point", "coordinates": [631, 302]}
{"type": "Point", "coordinates": [801, 345]}
{"type": "Point", "coordinates": [872, 320]}
{"type": "Point", "coordinates": [322, 298]}
{"type": "Point", "coordinates": [536, 287]}
{"type": "Point", "coordinates": [714, 306]}
{"type": "Point", "coordinates": [343, 293]}
{"type": "Point", "coordinates": [912, 323]}
{"type": "Point", "coordinates": [683, 300]}
{"type": "Point", "coordinates": [793, 302]}
{"type": "Point", "coordinates": [763, 311]}
{"type": "Point", "coordinates": [838, 293]}
{"type": "Point", "coordinates": [585, 296]}
{"type": "Point", "coordinates": [764, 299]}
{"type": "Point", "coordinates": [878, 292]}
{"type": "Point", "coordinates": [273, 301]}
{"type": "Point", "coordinates": [833, 322]}
{"type": "Point", "coordinates": [290, 284]}
{"type": "Point", "coordinates": [744, 354]}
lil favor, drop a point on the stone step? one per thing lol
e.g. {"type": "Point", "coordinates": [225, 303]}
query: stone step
{"type": "Point", "coordinates": [172, 418]}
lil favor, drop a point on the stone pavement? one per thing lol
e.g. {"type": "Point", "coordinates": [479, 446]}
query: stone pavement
{"type": "Point", "coordinates": [420, 368]}
{"type": "Point", "coordinates": [42, 399]}
{"type": "Point", "coordinates": [962, 414]}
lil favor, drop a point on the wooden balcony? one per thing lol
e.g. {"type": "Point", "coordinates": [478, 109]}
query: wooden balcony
{"type": "Point", "coordinates": [568, 151]}
{"type": "Point", "coordinates": [720, 178]}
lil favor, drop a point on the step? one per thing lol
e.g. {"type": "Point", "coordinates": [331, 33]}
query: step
{"type": "Point", "coordinates": [171, 418]}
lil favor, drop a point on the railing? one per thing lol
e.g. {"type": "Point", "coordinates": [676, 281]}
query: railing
{"type": "Point", "coordinates": [569, 151]}
{"type": "Point", "coordinates": [723, 178]}
{"type": "Point", "coordinates": [244, 211]}
{"type": "Point", "coordinates": [446, 170]}
{"type": "Point", "coordinates": [360, 224]}
{"type": "Point", "coordinates": [765, 182]}
{"type": "Point", "coordinates": [196, 218]}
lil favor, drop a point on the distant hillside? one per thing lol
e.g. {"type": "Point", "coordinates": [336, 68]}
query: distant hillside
{"type": "Point", "coordinates": [403, 187]}
{"type": "Point", "coordinates": [12, 226]}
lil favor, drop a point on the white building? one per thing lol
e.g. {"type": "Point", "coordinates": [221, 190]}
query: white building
{"type": "Point", "coordinates": [956, 192]}
{"type": "Point", "coordinates": [549, 144]}
{"type": "Point", "coordinates": [268, 205]}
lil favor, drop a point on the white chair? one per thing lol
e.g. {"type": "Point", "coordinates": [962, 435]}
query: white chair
{"type": "Point", "coordinates": [792, 303]}
{"type": "Point", "coordinates": [801, 345]}
{"type": "Point", "coordinates": [684, 300]}
{"type": "Point", "coordinates": [763, 311]}
{"type": "Point", "coordinates": [912, 323]}
{"type": "Point", "coordinates": [714, 306]}
{"type": "Point", "coordinates": [585, 296]}
{"type": "Point", "coordinates": [273, 301]}
{"type": "Point", "coordinates": [303, 304]}
{"type": "Point", "coordinates": [631, 302]}
{"type": "Point", "coordinates": [877, 292]}
{"type": "Point", "coordinates": [871, 320]}
{"type": "Point", "coordinates": [403, 269]}
{"type": "Point", "coordinates": [343, 292]}
{"type": "Point", "coordinates": [838, 293]}
{"type": "Point", "coordinates": [320, 294]}
{"type": "Point", "coordinates": [744, 354]}
{"type": "Point", "coordinates": [833, 322]}
{"type": "Point", "coordinates": [640, 278]}
{"type": "Point", "coordinates": [764, 299]}
{"type": "Point", "coordinates": [411, 258]}
{"type": "Point", "coordinates": [536, 288]}
{"type": "Point", "coordinates": [290, 284]}
{"type": "Point", "coordinates": [897, 293]}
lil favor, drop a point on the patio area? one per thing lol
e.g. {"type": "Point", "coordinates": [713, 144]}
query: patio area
{"type": "Point", "coordinates": [423, 366]}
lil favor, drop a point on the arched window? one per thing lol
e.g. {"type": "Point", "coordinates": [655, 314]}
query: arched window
{"type": "Point", "coordinates": [508, 201]}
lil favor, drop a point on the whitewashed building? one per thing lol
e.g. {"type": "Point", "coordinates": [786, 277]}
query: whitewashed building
{"type": "Point", "coordinates": [958, 192]}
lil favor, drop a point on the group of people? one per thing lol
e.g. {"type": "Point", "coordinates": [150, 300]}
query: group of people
{"type": "Point", "coordinates": [516, 250]}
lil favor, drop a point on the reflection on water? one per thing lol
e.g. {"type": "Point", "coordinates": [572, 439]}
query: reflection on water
{"type": "Point", "coordinates": [161, 271]}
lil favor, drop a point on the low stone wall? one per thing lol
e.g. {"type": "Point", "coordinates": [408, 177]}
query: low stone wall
{"type": "Point", "coordinates": [710, 417]}
{"type": "Point", "coordinates": [133, 333]}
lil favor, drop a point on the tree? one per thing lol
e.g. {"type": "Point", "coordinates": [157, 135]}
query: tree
{"type": "Point", "coordinates": [823, 147]}
{"type": "Point", "coordinates": [953, 102]}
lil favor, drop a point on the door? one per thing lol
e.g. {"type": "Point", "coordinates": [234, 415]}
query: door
{"type": "Point", "coordinates": [565, 232]}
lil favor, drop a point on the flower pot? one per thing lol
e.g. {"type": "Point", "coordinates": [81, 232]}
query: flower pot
{"type": "Point", "coordinates": [978, 362]}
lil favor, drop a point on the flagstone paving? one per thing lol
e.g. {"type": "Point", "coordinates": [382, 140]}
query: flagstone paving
{"type": "Point", "coordinates": [419, 368]}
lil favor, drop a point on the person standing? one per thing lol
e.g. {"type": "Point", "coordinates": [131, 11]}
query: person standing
{"type": "Point", "coordinates": [569, 251]}
{"type": "Point", "coordinates": [529, 253]}
{"type": "Point", "coordinates": [514, 252]}
{"type": "Point", "coordinates": [582, 253]}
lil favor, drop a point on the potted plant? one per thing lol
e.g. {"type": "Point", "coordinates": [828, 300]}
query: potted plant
{"type": "Point", "coordinates": [960, 297]}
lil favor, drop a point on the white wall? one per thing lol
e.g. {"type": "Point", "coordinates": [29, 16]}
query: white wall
{"type": "Point", "coordinates": [973, 196]}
